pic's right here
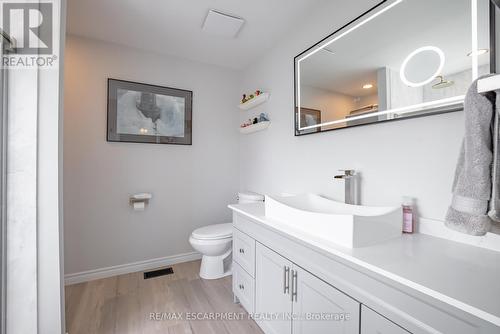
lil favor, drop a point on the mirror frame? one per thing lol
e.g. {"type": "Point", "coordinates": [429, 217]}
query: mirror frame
{"type": "Point", "coordinates": [378, 9]}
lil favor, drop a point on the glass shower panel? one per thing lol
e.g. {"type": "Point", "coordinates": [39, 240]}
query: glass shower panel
{"type": "Point", "coordinates": [4, 46]}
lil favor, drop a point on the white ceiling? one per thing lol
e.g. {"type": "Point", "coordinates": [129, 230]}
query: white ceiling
{"type": "Point", "coordinates": [173, 27]}
{"type": "Point", "coordinates": [388, 39]}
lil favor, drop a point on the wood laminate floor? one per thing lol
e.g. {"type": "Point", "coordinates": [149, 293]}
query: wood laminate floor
{"type": "Point", "coordinates": [124, 304]}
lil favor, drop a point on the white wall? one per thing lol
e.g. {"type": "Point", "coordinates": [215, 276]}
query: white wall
{"type": "Point", "coordinates": [366, 100]}
{"type": "Point", "coordinates": [333, 106]}
{"type": "Point", "coordinates": [191, 185]}
{"type": "Point", "coordinates": [412, 157]}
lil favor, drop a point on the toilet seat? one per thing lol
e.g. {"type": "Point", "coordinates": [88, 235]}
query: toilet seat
{"type": "Point", "coordinates": [214, 232]}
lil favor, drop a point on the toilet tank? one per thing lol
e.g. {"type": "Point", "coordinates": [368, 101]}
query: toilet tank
{"type": "Point", "coordinates": [249, 197]}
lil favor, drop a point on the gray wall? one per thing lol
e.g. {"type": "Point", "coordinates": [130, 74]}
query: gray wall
{"type": "Point", "coordinates": [412, 157]}
{"type": "Point", "coordinates": [191, 185]}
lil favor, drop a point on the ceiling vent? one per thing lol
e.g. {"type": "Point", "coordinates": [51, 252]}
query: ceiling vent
{"type": "Point", "coordinates": [220, 24]}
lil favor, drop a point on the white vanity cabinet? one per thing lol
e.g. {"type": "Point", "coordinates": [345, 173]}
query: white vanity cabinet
{"type": "Point", "coordinates": [374, 323]}
{"type": "Point", "coordinates": [304, 303]}
{"type": "Point", "coordinates": [276, 274]}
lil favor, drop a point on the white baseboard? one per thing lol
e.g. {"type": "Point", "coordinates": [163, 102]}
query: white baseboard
{"type": "Point", "coordinates": [437, 228]}
{"type": "Point", "coordinates": [121, 269]}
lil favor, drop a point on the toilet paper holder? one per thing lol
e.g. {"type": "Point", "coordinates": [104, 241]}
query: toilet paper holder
{"type": "Point", "coordinates": [140, 198]}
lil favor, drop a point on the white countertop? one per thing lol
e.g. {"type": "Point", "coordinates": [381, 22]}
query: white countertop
{"type": "Point", "coordinates": [463, 276]}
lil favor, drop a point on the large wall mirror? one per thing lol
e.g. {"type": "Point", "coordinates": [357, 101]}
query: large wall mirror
{"type": "Point", "coordinates": [401, 59]}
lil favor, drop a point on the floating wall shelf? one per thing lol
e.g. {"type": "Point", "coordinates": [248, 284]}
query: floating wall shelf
{"type": "Point", "coordinates": [252, 103]}
{"type": "Point", "coordinates": [255, 127]}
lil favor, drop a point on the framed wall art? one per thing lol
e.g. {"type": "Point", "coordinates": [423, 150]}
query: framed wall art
{"type": "Point", "coordinates": [142, 113]}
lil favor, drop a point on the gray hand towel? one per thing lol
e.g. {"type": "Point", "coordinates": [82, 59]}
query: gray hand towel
{"type": "Point", "coordinates": [472, 186]}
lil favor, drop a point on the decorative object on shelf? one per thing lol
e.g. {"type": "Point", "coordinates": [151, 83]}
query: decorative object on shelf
{"type": "Point", "coordinates": [142, 113]}
{"type": "Point", "coordinates": [246, 123]}
{"type": "Point", "coordinates": [253, 100]}
{"type": "Point", "coordinates": [254, 127]}
{"type": "Point", "coordinates": [245, 98]}
{"type": "Point", "coordinates": [263, 117]}
{"type": "Point", "coordinates": [255, 124]}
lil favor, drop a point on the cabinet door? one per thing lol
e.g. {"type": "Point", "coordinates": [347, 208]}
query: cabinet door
{"type": "Point", "coordinates": [272, 298]}
{"type": "Point", "coordinates": [319, 308]}
{"type": "Point", "coordinates": [374, 323]}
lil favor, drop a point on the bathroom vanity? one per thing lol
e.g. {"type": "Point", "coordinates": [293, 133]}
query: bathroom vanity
{"type": "Point", "coordinates": [406, 284]}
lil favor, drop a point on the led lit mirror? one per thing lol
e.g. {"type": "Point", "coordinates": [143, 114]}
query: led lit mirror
{"type": "Point", "coordinates": [401, 59]}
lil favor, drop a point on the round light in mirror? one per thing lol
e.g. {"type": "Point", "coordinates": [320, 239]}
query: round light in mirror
{"type": "Point", "coordinates": [422, 66]}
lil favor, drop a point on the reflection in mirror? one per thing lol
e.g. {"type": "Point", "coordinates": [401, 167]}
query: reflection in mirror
{"type": "Point", "coordinates": [401, 59]}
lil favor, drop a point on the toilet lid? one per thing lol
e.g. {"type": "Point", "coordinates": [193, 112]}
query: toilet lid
{"type": "Point", "coordinates": [217, 231]}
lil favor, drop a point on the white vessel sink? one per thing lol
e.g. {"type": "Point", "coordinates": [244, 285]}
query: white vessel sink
{"type": "Point", "coordinates": [344, 224]}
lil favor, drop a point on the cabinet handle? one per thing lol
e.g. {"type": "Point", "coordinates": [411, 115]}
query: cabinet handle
{"type": "Point", "coordinates": [286, 280]}
{"type": "Point", "coordinates": [294, 286]}
{"type": "Point", "coordinates": [242, 287]}
{"type": "Point", "coordinates": [242, 251]}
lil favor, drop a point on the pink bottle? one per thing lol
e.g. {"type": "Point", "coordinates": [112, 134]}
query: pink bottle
{"type": "Point", "coordinates": [408, 215]}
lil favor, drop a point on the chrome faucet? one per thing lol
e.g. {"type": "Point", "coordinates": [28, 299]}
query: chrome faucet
{"type": "Point", "coordinates": [349, 178]}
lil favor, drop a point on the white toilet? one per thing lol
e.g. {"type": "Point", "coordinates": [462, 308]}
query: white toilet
{"type": "Point", "coordinates": [214, 242]}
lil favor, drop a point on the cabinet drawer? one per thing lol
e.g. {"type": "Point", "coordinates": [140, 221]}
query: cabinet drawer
{"type": "Point", "coordinates": [374, 323]}
{"type": "Point", "coordinates": [244, 251]}
{"type": "Point", "coordinates": [243, 287]}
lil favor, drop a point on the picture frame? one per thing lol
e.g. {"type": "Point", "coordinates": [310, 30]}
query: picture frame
{"type": "Point", "coordinates": [144, 113]}
{"type": "Point", "coordinates": [310, 117]}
